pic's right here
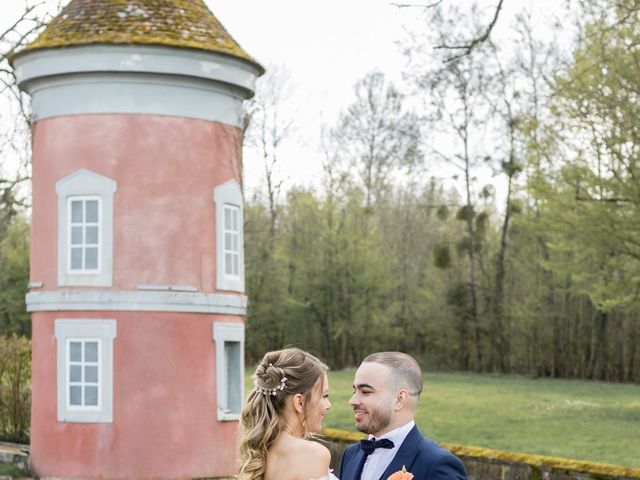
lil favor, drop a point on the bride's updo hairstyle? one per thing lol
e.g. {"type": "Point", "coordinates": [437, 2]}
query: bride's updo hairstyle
{"type": "Point", "coordinates": [279, 375]}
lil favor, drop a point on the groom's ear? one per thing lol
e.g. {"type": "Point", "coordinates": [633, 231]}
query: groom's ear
{"type": "Point", "coordinates": [401, 399]}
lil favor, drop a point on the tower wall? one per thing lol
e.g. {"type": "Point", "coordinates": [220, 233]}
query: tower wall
{"type": "Point", "coordinates": [138, 362]}
{"type": "Point", "coordinates": [166, 169]}
{"type": "Point", "coordinates": [164, 422]}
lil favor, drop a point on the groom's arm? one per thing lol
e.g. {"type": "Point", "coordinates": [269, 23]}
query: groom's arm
{"type": "Point", "coordinates": [447, 467]}
{"type": "Point", "coordinates": [341, 465]}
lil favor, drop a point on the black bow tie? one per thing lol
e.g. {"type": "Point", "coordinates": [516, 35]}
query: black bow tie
{"type": "Point", "coordinates": [368, 446]}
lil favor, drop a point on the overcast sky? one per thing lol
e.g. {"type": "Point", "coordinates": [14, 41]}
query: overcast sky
{"type": "Point", "coordinates": [326, 45]}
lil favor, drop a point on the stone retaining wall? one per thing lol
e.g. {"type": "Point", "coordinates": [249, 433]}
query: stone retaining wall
{"type": "Point", "coordinates": [14, 453]}
{"type": "Point", "coordinates": [486, 464]}
{"type": "Point", "coordinates": [481, 463]}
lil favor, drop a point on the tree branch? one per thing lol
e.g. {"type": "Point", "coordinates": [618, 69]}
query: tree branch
{"type": "Point", "coordinates": [416, 5]}
{"type": "Point", "coordinates": [468, 47]}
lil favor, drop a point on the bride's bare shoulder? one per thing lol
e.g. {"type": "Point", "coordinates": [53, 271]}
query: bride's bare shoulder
{"type": "Point", "coordinates": [299, 458]}
{"type": "Point", "coordinates": [314, 459]}
{"type": "Point", "coordinates": [317, 449]}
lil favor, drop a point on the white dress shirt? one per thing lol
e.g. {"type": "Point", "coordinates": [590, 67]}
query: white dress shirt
{"type": "Point", "coordinates": [380, 459]}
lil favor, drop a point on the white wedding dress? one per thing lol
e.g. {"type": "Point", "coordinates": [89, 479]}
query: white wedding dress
{"type": "Point", "coordinates": [330, 476]}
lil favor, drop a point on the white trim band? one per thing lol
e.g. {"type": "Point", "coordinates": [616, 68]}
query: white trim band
{"type": "Point", "coordinates": [138, 59]}
{"type": "Point", "coordinates": [136, 79]}
{"type": "Point", "coordinates": [141, 301]}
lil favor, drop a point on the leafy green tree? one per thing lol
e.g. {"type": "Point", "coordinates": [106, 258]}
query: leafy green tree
{"type": "Point", "coordinates": [14, 278]}
{"type": "Point", "coordinates": [588, 189]}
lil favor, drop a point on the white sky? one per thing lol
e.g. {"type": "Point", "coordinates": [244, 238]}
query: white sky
{"type": "Point", "coordinates": [326, 45]}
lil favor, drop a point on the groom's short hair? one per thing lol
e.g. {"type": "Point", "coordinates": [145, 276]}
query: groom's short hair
{"type": "Point", "coordinates": [404, 367]}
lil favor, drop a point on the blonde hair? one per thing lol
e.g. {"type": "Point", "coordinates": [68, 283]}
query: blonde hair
{"type": "Point", "coordinates": [259, 420]}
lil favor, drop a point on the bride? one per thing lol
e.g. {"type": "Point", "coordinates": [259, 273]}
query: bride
{"type": "Point", "coordinates": [286, 407]}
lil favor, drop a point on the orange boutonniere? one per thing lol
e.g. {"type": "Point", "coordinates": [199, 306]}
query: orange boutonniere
{"type": "Point", "coordinates": [401, 475]}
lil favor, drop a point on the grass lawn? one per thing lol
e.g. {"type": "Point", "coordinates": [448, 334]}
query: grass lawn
{"type": "Point", "coordinates": [593, 421]}
{"type": "Point", "coordinates": [11, 470]}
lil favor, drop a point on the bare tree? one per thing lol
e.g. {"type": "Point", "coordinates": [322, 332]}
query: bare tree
{"type": "Point", "coordinates": [459, 118]}
{"type": "Point", "coordinates": [15, 152]}
{"type": "Point", "coordinates": [377, 135]}
{"type": "Point", "coordinates": [267, 127]}
{"type": "Point", "coordinates": [460, 47]}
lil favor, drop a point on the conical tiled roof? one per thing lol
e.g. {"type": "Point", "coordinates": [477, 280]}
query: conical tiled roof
{"type": "Point", "coordinates": [172, 23]}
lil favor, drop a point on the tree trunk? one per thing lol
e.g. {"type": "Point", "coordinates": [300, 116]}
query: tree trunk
{"type": "Point", "coordinates": [619, 352]}
{"type": "Point", "coordinates": [501, 327]}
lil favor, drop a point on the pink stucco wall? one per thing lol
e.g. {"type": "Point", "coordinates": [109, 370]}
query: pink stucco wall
{"type": "Point", "coordinates": [164, 411]}
{"type": "Point", "coordinates": [164, 416]}
{"type": "Point", "coordinates": [165, 168]}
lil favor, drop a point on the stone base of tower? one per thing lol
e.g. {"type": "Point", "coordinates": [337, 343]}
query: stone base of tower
{"type": "Point", "coordinates": [164, 420]}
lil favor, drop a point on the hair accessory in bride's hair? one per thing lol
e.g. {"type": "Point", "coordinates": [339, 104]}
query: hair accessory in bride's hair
{"type": "Point", "coordinates": [273, 391]}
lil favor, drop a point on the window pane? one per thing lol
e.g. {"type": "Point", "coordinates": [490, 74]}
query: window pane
{"type": "Point", "coordinates": [227, 218]}
{"type": "Point", "coordinates": [76, 259]}
{"type": "Point", "coordinates": [92, 211]}
{"type": "Point", "coordinates": [234, 376]}
{"type": "Point", "coordinates": [75, 351]}
{"type": "Point", "coordinates": [227, 241]}
{"type": "Point", "coordinates": [91, 374]}
{"type": "Point", "coordinates": [76, 235]}
{"type": "Point", "coordinates": [234, 220]}
{"type": "Point", "coordinates": [91, 396]}
{"type": "Point", "coordinates": [91, 352]}
{"type": "Point", "coordinates": [91, 258]}
{"type": "Point", "coordinates": [92, 236]}
{"type": "Point", "coordinates": [227, 264]}
{"type": "Point", "coordinates": [235, 265]}
{"type": "Point", "coordinates": [75, 395]}
{"type": "Point", "coordinates": [234, 243]}
{"type": "Point", "coordinates": [75, 373]}
{"type": "Point", "coordinates": [76, 211]}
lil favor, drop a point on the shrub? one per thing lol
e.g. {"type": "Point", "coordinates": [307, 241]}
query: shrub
{"type": "Point", "coordinates": [15, 388]}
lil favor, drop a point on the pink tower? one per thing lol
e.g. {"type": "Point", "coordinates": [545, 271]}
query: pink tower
{"type": "Point", "coordinates": [137, 268]}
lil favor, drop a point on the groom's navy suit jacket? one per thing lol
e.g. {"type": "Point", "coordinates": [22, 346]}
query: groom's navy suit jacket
{"type": "Point", "coordinates": [419, 455]}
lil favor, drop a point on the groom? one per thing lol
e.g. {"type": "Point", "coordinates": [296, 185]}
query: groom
{"type": "Point", "coordinates": [386, 392]}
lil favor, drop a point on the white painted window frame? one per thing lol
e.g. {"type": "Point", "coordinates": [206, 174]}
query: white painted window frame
{"type": "Point", "coordinates": [222, 333]}
{"type": "Point", "coordinates": [84, 224]}
{"type": "Point", "coordinates": [103, 331]}
{"type": "Point", "coordinates": [84, 183]}
{"type": "Point", "coordinates": [83, 383]}
{"type": "Point", "coordinates": [228, 194]}
{"type": "Point", "coordinates": [234, 234]}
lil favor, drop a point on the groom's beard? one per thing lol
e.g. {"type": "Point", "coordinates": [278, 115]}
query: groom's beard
{"type": "Point", "coordinates": [378, 420]}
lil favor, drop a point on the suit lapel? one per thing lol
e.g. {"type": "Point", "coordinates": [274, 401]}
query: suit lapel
{"type": "Point", "coordinates": [351, 467]}
{"type": "Point", "coordinates": [405, 454]}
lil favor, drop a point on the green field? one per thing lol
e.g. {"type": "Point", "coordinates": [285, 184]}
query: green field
{"type": "Point", "coordinates": [594, 421]}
